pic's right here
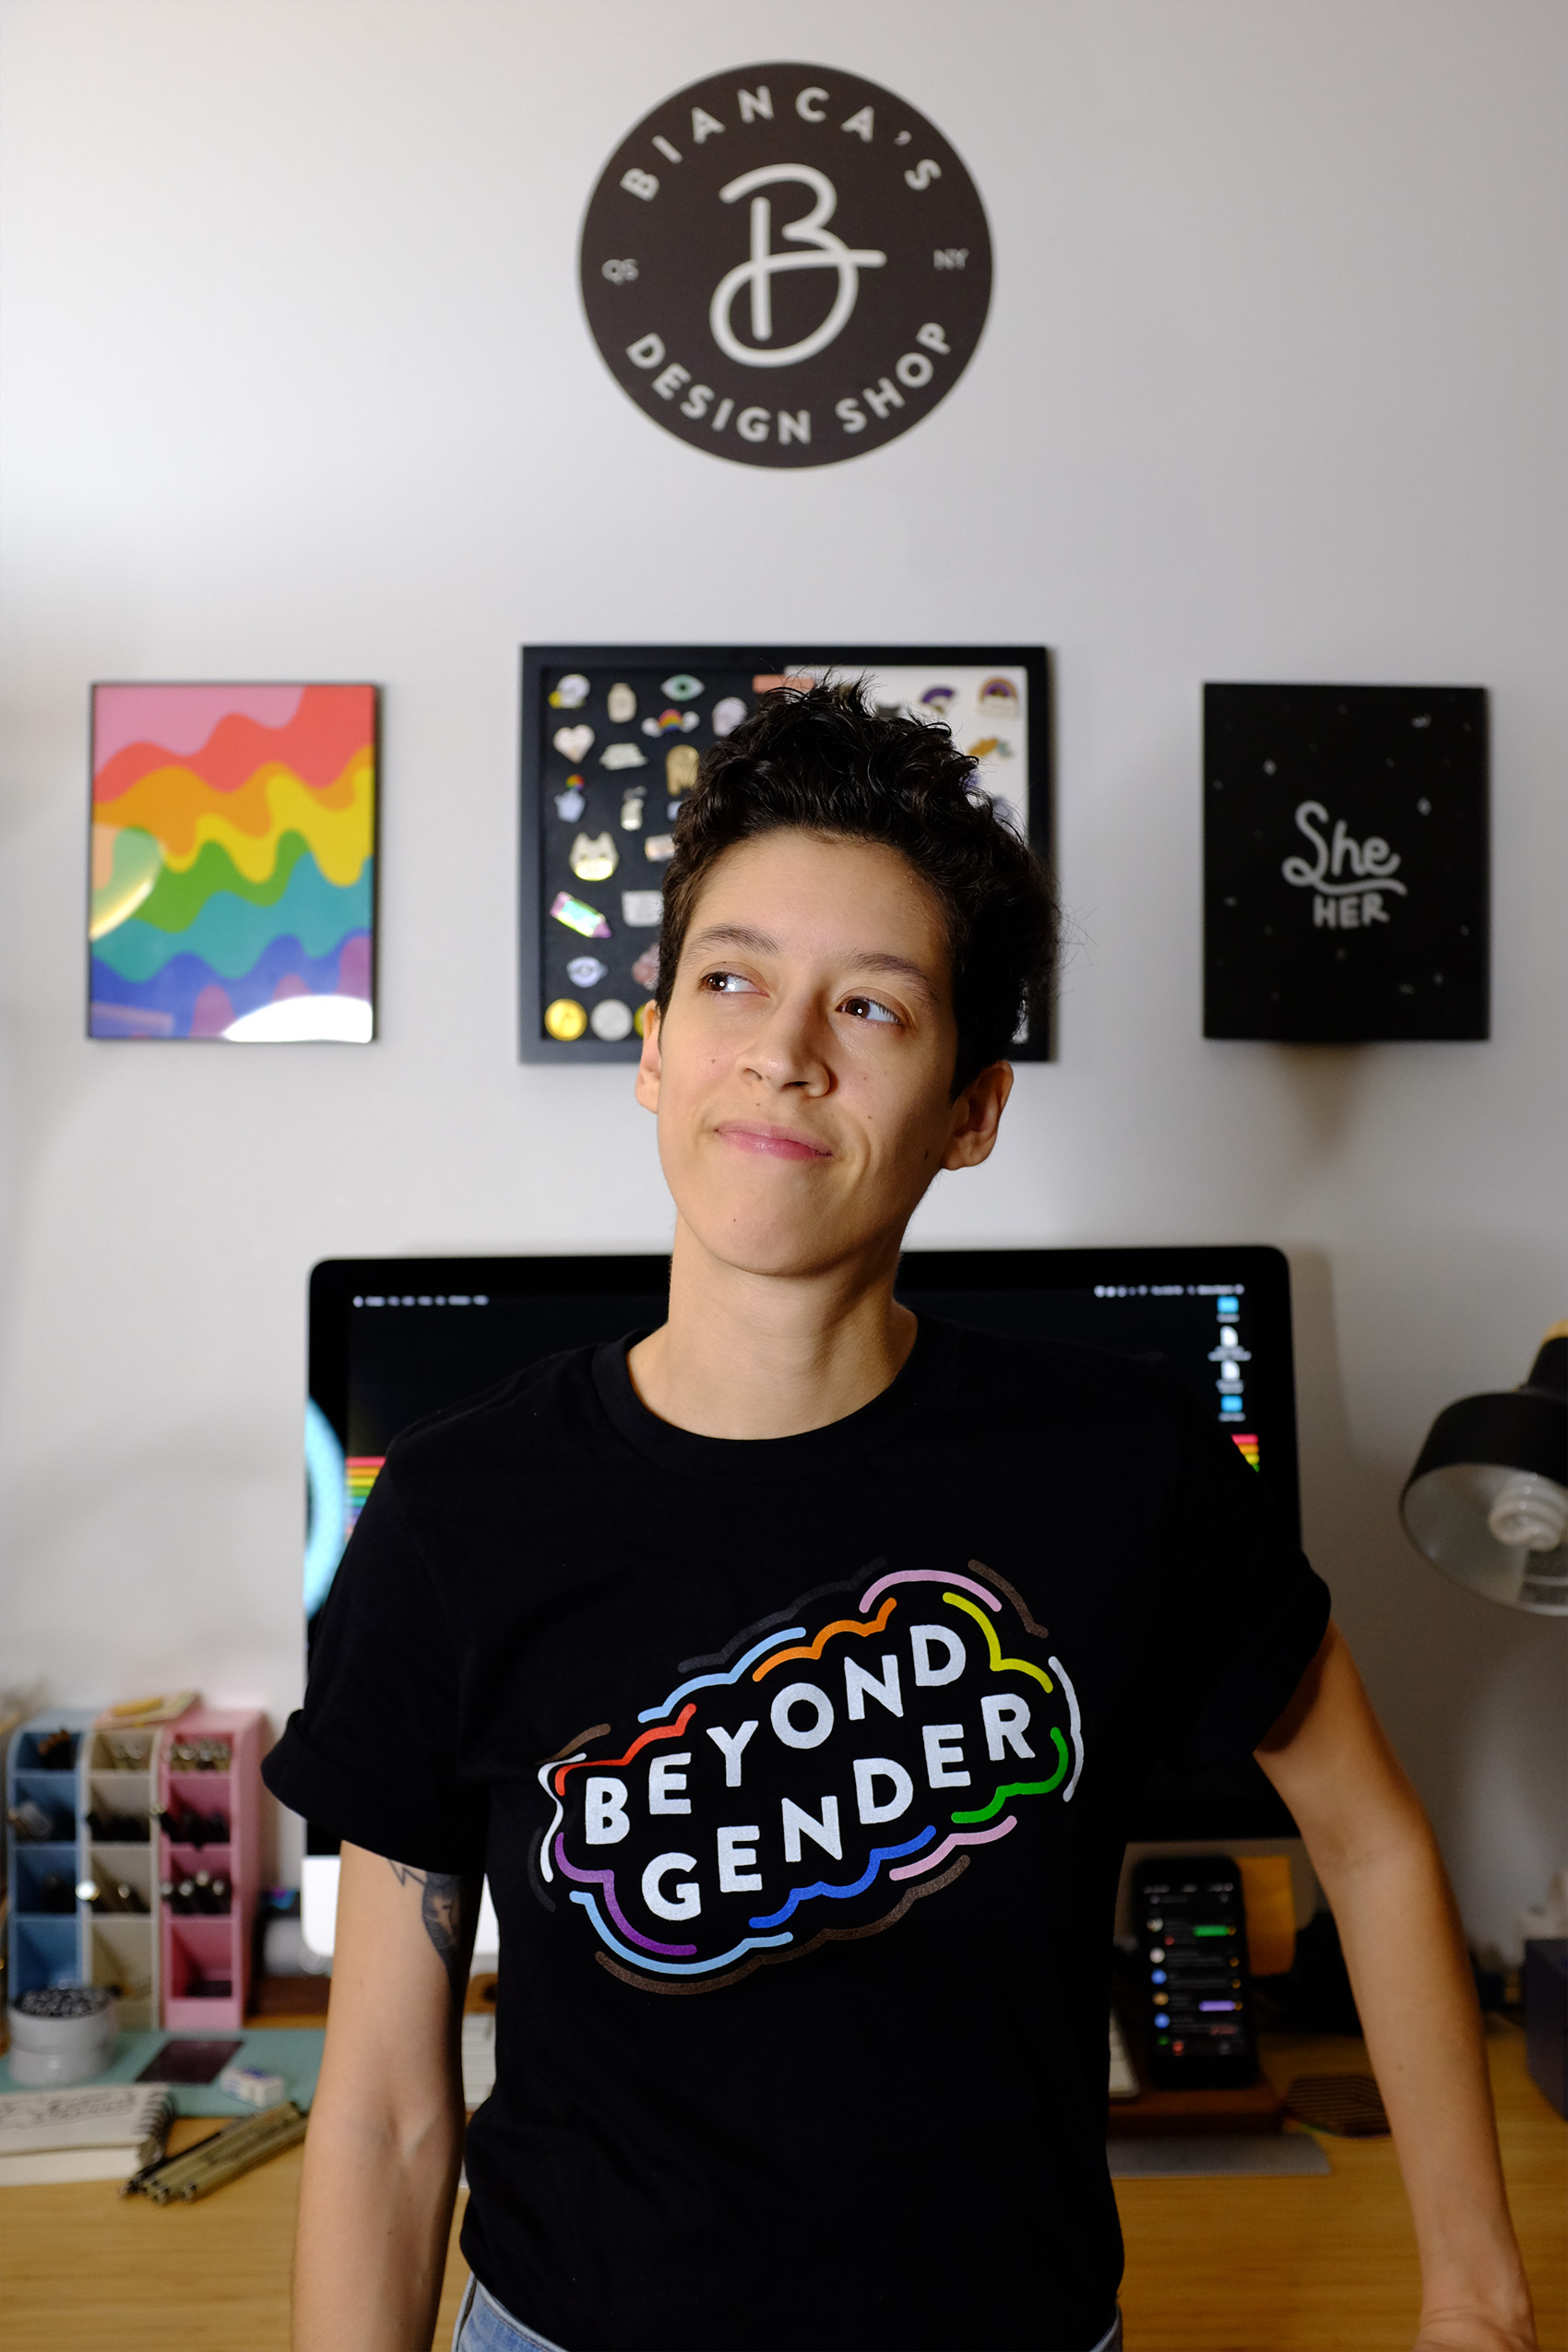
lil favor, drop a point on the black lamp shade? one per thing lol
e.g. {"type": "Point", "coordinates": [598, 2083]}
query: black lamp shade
{"type": "Point", "coordinates": [1499, 1463]}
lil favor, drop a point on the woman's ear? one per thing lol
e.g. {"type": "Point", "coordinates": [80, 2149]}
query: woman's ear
{"type": "Point", "coordinates": [977, 1114]}
{"type": "Point", "coordinates": [650, 1068]}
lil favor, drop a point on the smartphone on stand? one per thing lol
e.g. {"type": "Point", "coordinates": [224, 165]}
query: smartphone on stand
{"type": "Point", "coordinates": [1193, 1956]}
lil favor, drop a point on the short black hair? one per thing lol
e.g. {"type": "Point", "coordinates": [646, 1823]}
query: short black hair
{"type": "Point", "coordinates": [821, 759]}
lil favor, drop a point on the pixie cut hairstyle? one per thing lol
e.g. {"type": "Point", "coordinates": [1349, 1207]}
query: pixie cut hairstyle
{"type": "Point", "coordinates": [820, 760]}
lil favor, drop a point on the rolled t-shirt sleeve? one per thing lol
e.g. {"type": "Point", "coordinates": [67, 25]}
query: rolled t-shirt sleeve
{"type": "Point", "coordinates": [1240, 1613]}
{"type": "Point", "coordinates": [372, 1756]}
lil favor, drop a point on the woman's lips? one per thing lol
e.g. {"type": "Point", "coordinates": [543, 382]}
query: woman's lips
{"type": "Point", "coordinates": [775, 1142]}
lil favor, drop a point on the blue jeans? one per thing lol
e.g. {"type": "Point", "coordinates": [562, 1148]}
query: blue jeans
{"type": "Point", "coordinates": [484, 2327]}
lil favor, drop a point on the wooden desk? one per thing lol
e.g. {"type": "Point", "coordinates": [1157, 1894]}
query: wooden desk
{"type": "Point", "coordinates": [1316, 2266]}
{"type": "Point", "coordinates": [1212, 2265]}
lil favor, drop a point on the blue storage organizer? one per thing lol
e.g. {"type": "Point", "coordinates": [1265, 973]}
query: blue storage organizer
{"type": "Point", "coordinates": [47, 1947]}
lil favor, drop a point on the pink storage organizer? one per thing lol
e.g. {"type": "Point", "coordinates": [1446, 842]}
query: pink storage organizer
{"type": "Point", "coordinates": [198, 1950]}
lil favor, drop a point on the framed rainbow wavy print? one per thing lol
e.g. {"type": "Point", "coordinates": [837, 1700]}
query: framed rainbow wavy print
{"type": "Point", "coordinates": [234, 863]}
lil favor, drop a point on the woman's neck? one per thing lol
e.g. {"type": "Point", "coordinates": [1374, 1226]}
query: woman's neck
{"type": "Point", "coordinates": [749, 1355]}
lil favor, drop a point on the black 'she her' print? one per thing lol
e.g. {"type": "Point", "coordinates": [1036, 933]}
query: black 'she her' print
{"type": "Point", "coordinates": [1345, 864]}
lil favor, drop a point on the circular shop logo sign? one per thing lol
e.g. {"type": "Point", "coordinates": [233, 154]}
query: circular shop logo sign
{"type": "Point", "coordinates": [785, 264]}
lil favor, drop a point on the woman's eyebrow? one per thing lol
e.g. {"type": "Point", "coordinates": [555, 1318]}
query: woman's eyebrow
{"type": "Point", "coordinates": [879, 960]}
{"type": "Point", "coordinates": [732, 935]}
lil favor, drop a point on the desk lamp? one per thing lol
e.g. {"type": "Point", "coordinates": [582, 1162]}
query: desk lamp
{"type": "Point", "coordinates": [1488, 1499]}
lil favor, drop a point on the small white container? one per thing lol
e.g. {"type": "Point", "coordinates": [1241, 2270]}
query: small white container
{"type": "Point", "coordinates": [47, 2052]}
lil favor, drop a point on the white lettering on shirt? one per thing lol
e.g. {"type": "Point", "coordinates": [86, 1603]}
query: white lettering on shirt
{"type": "Point", "coordinates": [927, 1675]}
{"type": "Point", "coordinates": [604, 1804]}
{"type": "Point", "coordinates": [802, 1695]}
{"type": "Point", "coordinates": [731, 1746]}
{"type": "Point", "coordinates": [869, 1770]}
{"type": "Point", "coordinates": [738, 1873]}
{"type": "Point", "coordinates": [797, 1824]}
{"type": "Point", "coordinates": [1006, 1720]}
{"type": "Point", "coordinates": [687, 1900]}
{"type": "Point", "coordinates": [944, 1756]}
{"type": "Point", "coordinates": [665, 1780]}
{"type": "Point", "coordinates": [883, 1687]}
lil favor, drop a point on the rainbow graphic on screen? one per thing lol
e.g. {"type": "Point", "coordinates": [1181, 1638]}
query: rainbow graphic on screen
{"type": "Point", "coordinates": [360, 1473]}
{"type": "Point", "coordinates": [233, 836]}
{"type": "Point", "coordinates": [1246, 1446]}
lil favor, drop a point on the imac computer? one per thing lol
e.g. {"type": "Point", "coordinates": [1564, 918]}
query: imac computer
{"type": "Point", "coordinates": [393, 1339]}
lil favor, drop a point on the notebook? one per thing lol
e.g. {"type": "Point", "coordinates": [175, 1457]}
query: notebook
{"type": "Point", "coordinates": [101, 2131]}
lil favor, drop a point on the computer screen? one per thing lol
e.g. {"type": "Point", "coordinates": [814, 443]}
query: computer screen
{"type": "Point", "coordinates": [393, 1339]}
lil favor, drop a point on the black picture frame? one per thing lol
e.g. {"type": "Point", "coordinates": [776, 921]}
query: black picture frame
{"type": "Point", "coordinates": [1345, 857]}
{"type": "Point", "coordinates": [538, 877]}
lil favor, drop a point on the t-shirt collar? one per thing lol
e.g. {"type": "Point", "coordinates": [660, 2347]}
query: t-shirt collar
{"type": "Point", "coordinates": [914, 1387]}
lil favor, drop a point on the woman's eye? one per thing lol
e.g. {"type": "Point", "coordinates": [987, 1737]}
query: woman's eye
{"type": "Point", "coordinates": [866, 1008]}
{"type": "Point", "coordinates": [727, 984]}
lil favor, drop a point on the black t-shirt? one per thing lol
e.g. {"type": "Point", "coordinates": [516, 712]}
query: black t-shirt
{"type": "Point", "coordinates": [800, 1769]}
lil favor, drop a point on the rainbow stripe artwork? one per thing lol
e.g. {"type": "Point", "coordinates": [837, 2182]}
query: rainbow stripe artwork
{"type": "Point", "coordinates": [233, 840]}
{"type": "Point", "coordinates": [1247, 1448]}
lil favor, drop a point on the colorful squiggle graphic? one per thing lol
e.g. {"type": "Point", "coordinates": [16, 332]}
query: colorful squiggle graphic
{"type": "Point", "coordinates": [701, 1819]}
{"type": "Point", "coordinates": [1011, 1788]}
{"type": "Point", "coordinates": [939, 1854]}
{"type": "Point", "coordinates": [928, 1576]}
{"type": "Point", "coordinates": [678, 1968]}
{"type": "Point", "coordinates": [876, 1625]}
{"type": "Point", "coordinates": [610, 1764]}
{"type": "Point", "coordinates": [879, 1854]}
{"type": "Point", "coordinates": [606, 1879]}
{"type": "Point", "coordinates": [998, 1663]}
{"type": "Point", "coordinates": [1074, 1725]}
{"type": "Point", "coordinates": [547, 1869]}
{"type": "Point", "coordinates": [719, 1681]}
{"type": "Point", "coordinates": [233, 861]}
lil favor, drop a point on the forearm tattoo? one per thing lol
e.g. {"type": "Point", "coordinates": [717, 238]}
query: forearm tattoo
{"type": "Point", "coordinates": [441, 1909]}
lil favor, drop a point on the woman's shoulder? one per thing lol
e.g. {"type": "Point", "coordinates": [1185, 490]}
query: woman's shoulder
{"type": "Point", "coordinates": [534, 1409]}
{"type": "Point", "coordinates": [1070, 1376]}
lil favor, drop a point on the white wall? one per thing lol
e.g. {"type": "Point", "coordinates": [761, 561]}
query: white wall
{"type": "Point", "coordinates": [297, 385]}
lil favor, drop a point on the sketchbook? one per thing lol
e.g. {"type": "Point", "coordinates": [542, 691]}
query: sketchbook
{"type": "Point", "coordinates": [101, 2131]}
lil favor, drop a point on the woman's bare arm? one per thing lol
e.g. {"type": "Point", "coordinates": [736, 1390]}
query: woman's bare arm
{"type": "Point", "coordinates": [385, 2140]}
{"type": "Point", "coordinates": [1375, 1852]}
